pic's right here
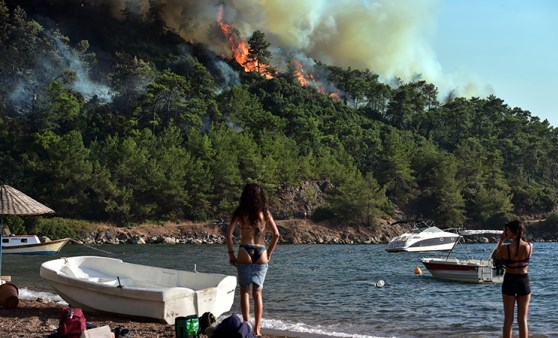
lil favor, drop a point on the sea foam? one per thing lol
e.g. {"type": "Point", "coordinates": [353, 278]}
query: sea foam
{"type": "Point", "coordinates": [26, 294]}
{"type": "Point", "coordinates": [317, 330]}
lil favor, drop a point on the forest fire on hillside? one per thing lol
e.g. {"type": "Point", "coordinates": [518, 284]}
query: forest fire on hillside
{"type": "Point", "coordinates": [299, 74]}
{"type": "Point", "coordinates": [239, 48]}
{"type": "Point", "coordinates": [307, 79]}
{"type": "Point", "coordinates": [240, 51]}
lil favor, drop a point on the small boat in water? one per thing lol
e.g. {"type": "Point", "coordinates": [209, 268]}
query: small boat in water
{"type": "Point", "coordinates": [428, 238]}
{"type": "Point", "coordinates": [465, 270]}
{"type": "Point", "coordinates": [111, 285]}
{"type": "Point", "coordinates": [31, 245]}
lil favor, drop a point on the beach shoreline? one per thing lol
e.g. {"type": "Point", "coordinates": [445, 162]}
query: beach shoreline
{"type": "Point", "coordinates": [39, 318]}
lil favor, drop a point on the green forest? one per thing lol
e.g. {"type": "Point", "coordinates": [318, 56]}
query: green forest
{"type": "Point", "coordinates": [119, 119]}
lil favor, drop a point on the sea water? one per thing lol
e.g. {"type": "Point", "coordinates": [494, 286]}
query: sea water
{"type": "Point", "coordinates": [333, 290]}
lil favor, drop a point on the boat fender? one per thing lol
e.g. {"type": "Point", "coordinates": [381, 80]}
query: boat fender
{"type": "Point", "coordinates": [418, 271]}
{"type": "Point", "coordinates": [380, 284]}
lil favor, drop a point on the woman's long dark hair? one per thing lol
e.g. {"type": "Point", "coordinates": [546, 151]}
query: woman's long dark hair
{"type": "Point", "coordinates": [518, 229]}
{"type": "Point", "coordinates": [252, 202]}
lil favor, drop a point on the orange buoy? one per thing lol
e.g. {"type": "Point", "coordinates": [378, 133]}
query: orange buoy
{"type": "Point", "coordinates": [418, 271]}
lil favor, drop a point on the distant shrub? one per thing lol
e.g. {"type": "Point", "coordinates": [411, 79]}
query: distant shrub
{"type": "Point", "coordinates": [56, 227]}
{"type": "Point", "coordinates": [550, 224]}
{"type": "Point", "coordinates": [15, 224]}
{"type": "Point", "coordinates": [322, 214]}
{"type": "Point", "coordinates": [498, 220]}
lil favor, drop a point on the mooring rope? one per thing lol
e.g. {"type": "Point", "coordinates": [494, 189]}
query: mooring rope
{"type": "Point", "coordinates": [92, 248]}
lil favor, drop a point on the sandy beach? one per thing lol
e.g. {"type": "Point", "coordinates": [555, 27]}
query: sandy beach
{"type": "Point", "coordinates": [38, 318]}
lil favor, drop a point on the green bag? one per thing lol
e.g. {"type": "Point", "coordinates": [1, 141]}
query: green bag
{"type": "Point", "coordinates": [187, 327]}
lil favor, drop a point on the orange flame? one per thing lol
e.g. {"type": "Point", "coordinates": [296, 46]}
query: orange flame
{"type": "Point", "coordinates": [334, 96]}
{"type": "Point", "coordinates": [240, 49]}
{"type": "Point", "coordinates": [307, 79]}
{"type": "Point", "coordinates": [299, 73]}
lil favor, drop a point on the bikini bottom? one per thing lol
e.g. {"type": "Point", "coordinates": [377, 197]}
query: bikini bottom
{"type": "Point", "coordinates": [254, 251]}
{"type": "Point", "coordinates": [516, 285]}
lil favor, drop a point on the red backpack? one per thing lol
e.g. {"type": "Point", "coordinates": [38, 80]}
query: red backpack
{"type": "Point", "coordinates": [72, 322]}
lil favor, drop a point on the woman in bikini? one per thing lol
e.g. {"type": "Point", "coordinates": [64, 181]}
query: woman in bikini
{"type": "Point", "coordinates": [516, 286]}
{"type": "Point", "coordinates": [252, 258]}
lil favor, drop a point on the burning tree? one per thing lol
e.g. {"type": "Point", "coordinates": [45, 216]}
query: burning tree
{"type": "Point", "coordinates": [250, 61]}
{"type": "Point", "coordinates": [258, 52]}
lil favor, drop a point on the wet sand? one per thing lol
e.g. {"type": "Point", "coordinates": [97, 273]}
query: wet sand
{"type": "Point", "coordinates": [37, 318]}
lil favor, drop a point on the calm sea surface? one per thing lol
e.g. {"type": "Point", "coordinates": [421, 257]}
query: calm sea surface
{"type": "Point", "coordinates": [330, 290]}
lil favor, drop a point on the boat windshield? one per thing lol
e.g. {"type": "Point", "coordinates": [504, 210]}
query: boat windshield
{"type": "Point", "coordinates": [432, 229]}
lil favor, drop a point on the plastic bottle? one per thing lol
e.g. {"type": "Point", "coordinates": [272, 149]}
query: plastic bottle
{"type": "Point", "coordinates": [192, 328]}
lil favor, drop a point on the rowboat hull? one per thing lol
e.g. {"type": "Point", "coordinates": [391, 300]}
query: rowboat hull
{"type": "Point", "coordinates": [111, 285]}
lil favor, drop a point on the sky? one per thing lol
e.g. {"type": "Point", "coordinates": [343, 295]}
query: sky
{"type": "Point", "coordinates": [509, 46]}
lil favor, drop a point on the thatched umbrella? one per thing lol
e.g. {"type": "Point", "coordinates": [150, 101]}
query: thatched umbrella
{"type": "Point", "coordinates": [14, 202]}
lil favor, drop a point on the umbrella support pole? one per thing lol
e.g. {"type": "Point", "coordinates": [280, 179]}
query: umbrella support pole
{"type": "Point", "coordinates": [1, 232]}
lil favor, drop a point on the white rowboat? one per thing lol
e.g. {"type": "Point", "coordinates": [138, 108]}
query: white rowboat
{"type": "Point", "coordinates": [111, 285]}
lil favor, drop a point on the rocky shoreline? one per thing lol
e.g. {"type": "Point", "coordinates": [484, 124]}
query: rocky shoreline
{"type": "Point", "coordinates": [292, 232]}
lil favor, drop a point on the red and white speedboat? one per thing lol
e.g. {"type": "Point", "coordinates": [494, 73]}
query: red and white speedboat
{"type": "Point", "coordinates": [467, 270]}
{"type": "Point", "coordinates": [464, 270]}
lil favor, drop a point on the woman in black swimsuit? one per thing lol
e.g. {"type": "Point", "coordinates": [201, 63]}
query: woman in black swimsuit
{"type": "Point", "coordinates": [252, 260]}
{"type": "Point", "coordinates": [516, 286]}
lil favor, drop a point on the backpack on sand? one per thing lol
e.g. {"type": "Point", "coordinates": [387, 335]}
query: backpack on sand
{"type": "Point", "coordinates": [206, 320]}
{"type": "Point", "coordinates": [233, 327]}
{"type": "Point", "coordinates": [72, 322]}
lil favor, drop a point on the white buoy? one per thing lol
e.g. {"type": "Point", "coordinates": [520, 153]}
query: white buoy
{"type": "Point", "coordinates": [380, 284]}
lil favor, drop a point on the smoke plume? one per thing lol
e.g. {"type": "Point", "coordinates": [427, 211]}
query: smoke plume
{"type": "Point", "coordinates": [389, 37]}
{"type": "Point", "coordinates": [83, 84]}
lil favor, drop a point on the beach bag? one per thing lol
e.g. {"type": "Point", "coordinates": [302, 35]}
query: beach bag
{"type": "Point", "coordinates": [72, 322]}
{"type": "Point", "coordinates": [206, 320]}
{"type": "Point", "coordinates": [233, 327]}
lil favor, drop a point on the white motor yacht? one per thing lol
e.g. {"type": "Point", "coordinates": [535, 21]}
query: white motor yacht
{"type": "Point", "coordinates": [428, 239]}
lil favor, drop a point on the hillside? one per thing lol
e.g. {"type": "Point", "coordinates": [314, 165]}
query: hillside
{"type": "Point", "coordinates": [124, 113]}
